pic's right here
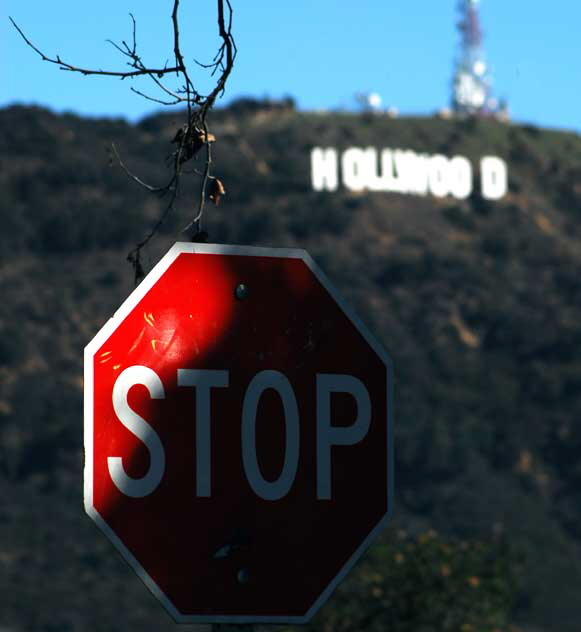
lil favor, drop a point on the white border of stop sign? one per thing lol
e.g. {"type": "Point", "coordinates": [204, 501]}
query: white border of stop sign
{"type": "Point", "coordinates": [107, 330]}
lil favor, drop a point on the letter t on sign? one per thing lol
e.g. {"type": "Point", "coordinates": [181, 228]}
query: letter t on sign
{"type": "Point", "coordinates": [203, 381]}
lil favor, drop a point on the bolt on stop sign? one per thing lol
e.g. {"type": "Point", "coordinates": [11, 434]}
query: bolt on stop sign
{"type": "Point", "coordinates": [238, 434]}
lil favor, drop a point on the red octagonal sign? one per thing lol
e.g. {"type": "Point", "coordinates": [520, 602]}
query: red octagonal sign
{"type": "Point", "coordinates": [237, 434]}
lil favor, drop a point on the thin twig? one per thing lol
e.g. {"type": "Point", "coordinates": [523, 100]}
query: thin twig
{"type": "Point", "coordinates": [149, 98]}
{"type": "Point", "coordinates": [150, 188]}
{"type": "Point", "coordinates": [168, 91]}
{"type": "Point", "coordinates": [194, 134]}
{"type": "Point", "coordinates": [86, 71]}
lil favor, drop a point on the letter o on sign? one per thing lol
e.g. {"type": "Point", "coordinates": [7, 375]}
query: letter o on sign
{"type": "Point", "coordinates": [270, 490]}
{"type": "Point", "coordinates": [438, 176]}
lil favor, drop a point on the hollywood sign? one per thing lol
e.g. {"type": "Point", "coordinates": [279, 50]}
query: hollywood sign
{"type": "Point", "coordinates": [404, 171]}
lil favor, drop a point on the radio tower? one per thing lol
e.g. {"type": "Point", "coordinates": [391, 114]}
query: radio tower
{"type": "Point", "coordinates": [471, 86]}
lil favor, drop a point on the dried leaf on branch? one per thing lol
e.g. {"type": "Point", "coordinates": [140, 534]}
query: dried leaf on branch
{"type": "Point", "coordinates": [217, 190]}
{"type": "Point", "coordinates": [193, 136]}
{"type": "Point", "coordinates": [190, 142]}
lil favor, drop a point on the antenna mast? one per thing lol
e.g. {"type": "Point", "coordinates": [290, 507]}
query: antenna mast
{"type": "Point", "coordinates": [471, 93]}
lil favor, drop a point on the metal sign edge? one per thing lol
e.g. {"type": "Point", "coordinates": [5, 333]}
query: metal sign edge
{"type": "Point", "coordinates": [109, 327]}
{"type": "Point", "coordinates": [374, 343]}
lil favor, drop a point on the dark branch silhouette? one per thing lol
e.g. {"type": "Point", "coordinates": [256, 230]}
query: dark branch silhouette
{"type": "Point", "coordinates": [193, 136]}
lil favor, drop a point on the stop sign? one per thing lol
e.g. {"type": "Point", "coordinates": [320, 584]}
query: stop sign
{"type": "Point", "coordinates": [237, 434]}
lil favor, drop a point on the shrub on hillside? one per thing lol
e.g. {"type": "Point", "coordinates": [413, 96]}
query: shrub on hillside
{"type": "Point", "coordinates": [425, 584]}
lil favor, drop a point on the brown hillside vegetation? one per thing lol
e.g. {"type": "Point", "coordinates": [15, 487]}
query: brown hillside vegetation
{"type": "Point", "coordinates": [478, 303]}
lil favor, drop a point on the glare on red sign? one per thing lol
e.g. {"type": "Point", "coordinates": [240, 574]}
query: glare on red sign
{"type": "Point", "coordinates": [238, 434]}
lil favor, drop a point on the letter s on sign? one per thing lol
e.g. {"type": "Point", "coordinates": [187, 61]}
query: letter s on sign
{"type": "Point", "coordinates": [137, 487]}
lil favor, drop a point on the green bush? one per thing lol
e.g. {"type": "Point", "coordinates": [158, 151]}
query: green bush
{"type": "Point", "coordinates": [425, 584]}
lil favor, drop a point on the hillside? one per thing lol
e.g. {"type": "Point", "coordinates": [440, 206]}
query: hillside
{"type": "Point", "coordinates": [478, 303]}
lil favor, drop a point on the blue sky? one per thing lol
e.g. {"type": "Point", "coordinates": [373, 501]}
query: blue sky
{"type": "Point", "coordinates": [319, 51]}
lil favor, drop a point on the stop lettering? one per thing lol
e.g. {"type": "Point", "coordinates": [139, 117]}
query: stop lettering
{"type": "Point", "coordinates": [203, 381]}
{"type": "Point", "coordinates": [238, 434]}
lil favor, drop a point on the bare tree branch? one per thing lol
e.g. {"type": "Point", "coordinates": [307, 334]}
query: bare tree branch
{"type": "Point", "coordinates": [150, 188]}
{"type": "Point", "coordinates": [86, 71]}
{"type": "Point", "coordinates": [176, 96]}
{"type": "Point", "coordinates": [193, 135]}
{"type": "Point", "coordinates": [176, 101]}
